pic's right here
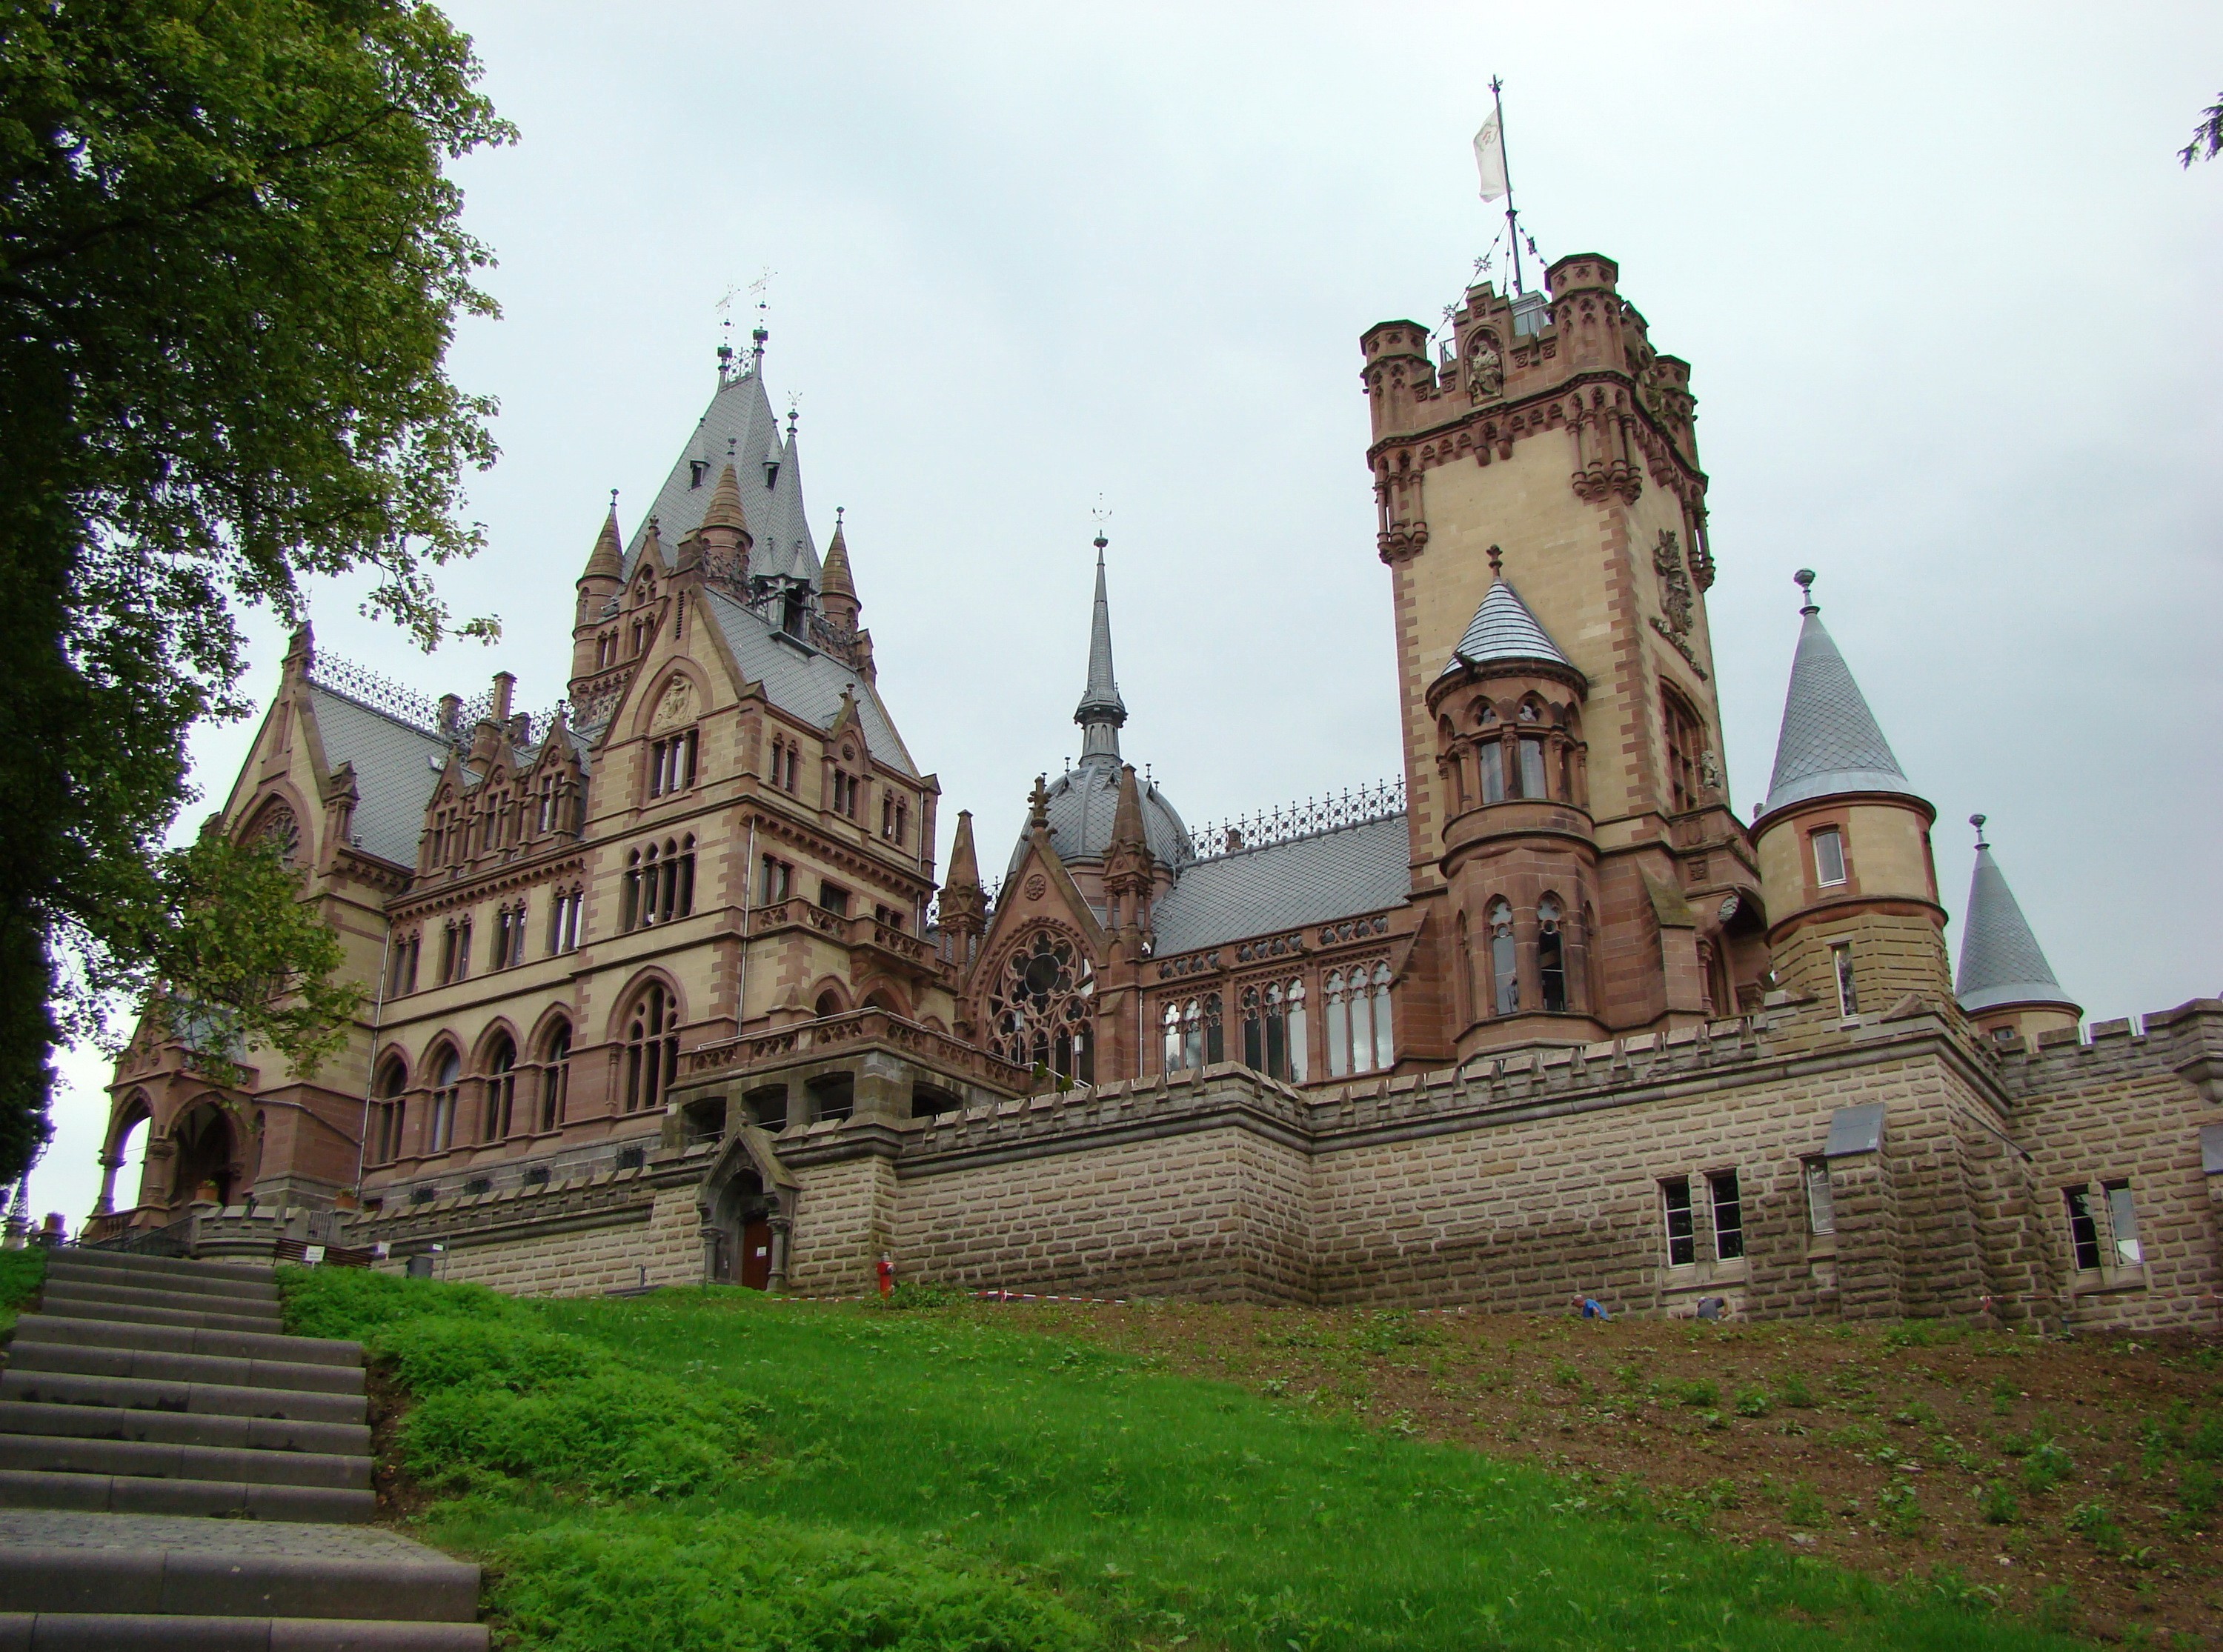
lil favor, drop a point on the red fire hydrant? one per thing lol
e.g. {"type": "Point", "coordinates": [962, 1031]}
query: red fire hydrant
{"type": "Point", "coordinates": [886, 1269]}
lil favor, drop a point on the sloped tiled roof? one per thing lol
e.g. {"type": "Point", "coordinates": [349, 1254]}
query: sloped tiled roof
{"type": "Point", "coordinates": [1335, 874]}
{"type": "Point", "coordinates": [739, 426]}
{"type": "Point", "coordinates": [1829, 741]}
{"type": "Point", "coordinates": [1504, 629]}
{"type": "Point", "coordinates": [396, 767]}
{"type": "Point", "coordinates": [2001, 961]}
{"type": "Point", "coordinates": [803, 681]}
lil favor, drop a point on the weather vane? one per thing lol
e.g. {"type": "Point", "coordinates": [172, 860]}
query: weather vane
{"type": "Point", "coordinates": [1103, 515]}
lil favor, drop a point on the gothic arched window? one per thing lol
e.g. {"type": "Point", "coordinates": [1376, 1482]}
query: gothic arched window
{"type": "Point", "coordinates": [384, 1143]}
{"type": "Point", "coordinates": [1274, 1030]}
{"type": "Point", "coordinates": [1504, 976]}
{"type": "Point", "coordinates": [1194, 1040]}
{"type": "Point", "coordinates": [555, 1075]}
{"type": "Point", "coordinates": [1360, 1037]}
{"type": "Point", "coordinates": [1551, 953]}
{"type": "Point", "coordinates": [501, 1089]}
{"type": "Point", "coordinates": [652, 1060]}
{"type": "Point", "coordinates": [447, 1083]}
{"type": "Point", "coordinates": [1042, 1008]}
{"type": "Point", "coordinates": [278, 828]}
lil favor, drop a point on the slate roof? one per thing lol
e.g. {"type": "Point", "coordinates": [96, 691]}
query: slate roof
{"type": "Point", "coordinates": [397, 765]}
{"type": "Point", "coordinates": [738, 414]}
{"type": "Point", "coordinates": [1829, 741]}
{"type": "Point", "coordinates": [803, 681]}
{"type": "Point", "coordinates": [1335, 874]}
{"type": "Point", "coordinates": [1082, 801]}
{"type": "Point", "coordinates": [1503, 628]}
{"type": "Point", "coordinates": [2001, 960]}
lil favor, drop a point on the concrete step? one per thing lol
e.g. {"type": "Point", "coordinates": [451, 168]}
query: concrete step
{"type": "Point", "coordinates": [183, 1428]}
{"type": "Point", "coordinates": [167, 1267]}
{"type": "Point", "coordinates": [152, 1365]}
{"type": "Point", "coordinates": [48, 1453]}
{"type": "Point", "coordinates": [102, 1332]}
{"type": "Point", "coordinates": [63, 1268]}
{"type": "Point", "coordinates": [53, 1631]}
{"type": "Point", "coordinates": [226, 1500]}
{"type": "Point", "coordinates": [196, 1398]}
{"type": "Point", "coordinates": [159, 1308]}
{"type": "Point", "coordinates": [66, 1563]}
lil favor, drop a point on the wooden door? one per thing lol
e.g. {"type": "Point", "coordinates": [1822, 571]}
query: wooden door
{"type": "Point", "coordinates": [756, 1254]}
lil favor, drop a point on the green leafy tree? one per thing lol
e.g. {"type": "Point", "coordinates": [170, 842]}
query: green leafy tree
{"type": "Point", "coordinates": [2207, 137]}
{"type": "Point", "coordinates": [231, 264]}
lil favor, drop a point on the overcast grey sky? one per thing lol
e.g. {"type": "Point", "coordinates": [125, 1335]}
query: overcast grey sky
{"type": "Point", "coordinates": [1950, 301]}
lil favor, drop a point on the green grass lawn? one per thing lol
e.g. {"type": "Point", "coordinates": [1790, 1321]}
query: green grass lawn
{"type": "Point", "coordinates": [22, 1273]}
{"type": "Point", "coordinates": [925, 1479]}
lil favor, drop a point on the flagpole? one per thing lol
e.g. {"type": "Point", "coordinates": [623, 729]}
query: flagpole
{"type": "Point", "coordinates": [1512, 219]}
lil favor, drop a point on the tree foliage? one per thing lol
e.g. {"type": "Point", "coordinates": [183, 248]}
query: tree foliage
{"type": "Point", "coordinates": [2207, 137]}
{"type": "Point", "coordinates": [231, 264]}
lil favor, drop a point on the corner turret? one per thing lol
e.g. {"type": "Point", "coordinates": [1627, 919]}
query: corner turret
{"type": "Point", "coordinates": [2005, 985]}
{"type": "Point", "coordinates": [837, 588]}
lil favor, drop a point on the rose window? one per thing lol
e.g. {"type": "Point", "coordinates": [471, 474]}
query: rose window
{"type": "Point", "coordinates": [1041, 1008]}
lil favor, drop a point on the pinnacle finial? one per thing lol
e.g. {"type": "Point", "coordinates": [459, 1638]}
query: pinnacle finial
{"type": "Point", "coordinates": [1977, 821]}
{"type": "Point", "coordinates": [1497, 563]}
{"type": "Point", "coordinates": [1804, 579]}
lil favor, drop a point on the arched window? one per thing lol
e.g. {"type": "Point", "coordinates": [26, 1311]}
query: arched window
{"type": "Point", "coordinates": [1504, 975]}
{"type": "Point", "coordinates": [382, 1145]}
{"type": "Point", "coordinates": [1274, 1030]}
{"type": "Point", "coordinates": [651, 1058]}
{"type": "Point", "coordinates": [1194, 1039]}
{"type": "Point", "coordinates": [659, 883]}
{"type": "Point", "coordinates": [555, 1076]}
{"type": "Point", "coordinates": [447, 1083]}
{"type": "Point", "coordinates": [1042, 1008]}
{"type": "Point", "coordinates": [501, 1089]}
{"type": "Point", "coordinates": [1551, 953]}
{"type": "Point", "coordinates": [1385, 1038]}
{"type": "Point", "coordinates": [1358, 1032]}
{"type": "Point", "coordinates": [1685, 739]}
{"type": "Point", "coordinates": [280, 831]}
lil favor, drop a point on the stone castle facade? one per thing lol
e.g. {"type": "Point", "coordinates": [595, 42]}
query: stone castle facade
{"type": "Point", "coordinates": [666, 986]}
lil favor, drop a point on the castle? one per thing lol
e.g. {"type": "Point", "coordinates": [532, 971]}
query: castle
{"type": "Point", "coordinates": [664, 987]}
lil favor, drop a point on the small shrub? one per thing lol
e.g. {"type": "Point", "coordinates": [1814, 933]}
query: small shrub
{"type": "Point", "coordinates": [2200, 1489]}
{"type": "Point", "coordinates": [1631, 1376]}
{"type": "Point", "coordinates": [1898, 1510]}
{"type": "Point", "coordinates": [921, 1293]}
{"type": "Point", "coordinates": [1803, 1506]}
{"type": "Point", "coordinates": [1794, 1392]}
{"type": "Point", "coordinates": [2000, 1508]}
{"type": "Point", "coordinates": [1566, 1376]}
{"type": "Point", "coordinates": [1951, 1585]}
{"type": "Point", "coordinates": [1754, 1402]}
{"type": "Point", "coordinates": [2205, 1442]}
{"type": "Point", "coordinates": [2057, 1609]}
{"type": "Point", "coordinates": [1697, 1395]}
{"type": "Point", "coordinates": [1915, 1414]}
{"type": "Point", "coordinates": [22, 1273]}
{"type": "Point", "coordinates": [2045, 1465]}
{"type": "Point", "coordinates": [1391, 1330]}
{"type": "Point", "coordinates": [2097, 1526]}
{"type": "Point", "coordinates": [2004, 1395]}
{"type": "Point", "coordinates": [352, 1303]}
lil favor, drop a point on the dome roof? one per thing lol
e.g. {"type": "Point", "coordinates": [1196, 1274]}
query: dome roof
{"type": "Point", "coordinates": [1082, 803]}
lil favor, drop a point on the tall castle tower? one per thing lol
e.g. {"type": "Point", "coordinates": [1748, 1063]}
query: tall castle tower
{"type": "Point", "coordinates": [1543, 516]}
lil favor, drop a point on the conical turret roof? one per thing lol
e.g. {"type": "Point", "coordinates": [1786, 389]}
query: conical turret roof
{"type": "Point", "coordinates": [964, 864]}
{"type": "Point", "coordinates": [834, 578]}
{"type": "Point", "coordinates": [2001, 961]}
{"type": "Point", "coordinates": [606, 560]}
{"type": "Point", "coordinates": [1503, 628]}
{"type": "Point", "coordinates": [1829, 741]}
{"type": "Point", "coordinates": [725, 510]}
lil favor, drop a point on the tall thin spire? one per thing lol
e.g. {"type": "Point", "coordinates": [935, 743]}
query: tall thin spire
{"type": "Point", "coordinates": [2001, 961]}
{"type": "Point", "coordinates": [1101, 711]}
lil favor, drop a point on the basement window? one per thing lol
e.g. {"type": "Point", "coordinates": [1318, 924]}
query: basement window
{"type": "Point", "coordinates": [1675, 1198]}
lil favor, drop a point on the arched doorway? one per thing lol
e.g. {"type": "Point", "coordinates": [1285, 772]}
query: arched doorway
{"type": "Point", "coordinates": [207, 1151]}
{"type": "Point", "coordinates": [743, 1221]}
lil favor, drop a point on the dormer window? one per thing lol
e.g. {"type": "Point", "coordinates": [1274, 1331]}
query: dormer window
{"type": "Point", "coordinates": [696, 469]}
{"type": "Point", "coordinates": [848, 793]}
{"type": "Point", "coordinates": [790, 619]}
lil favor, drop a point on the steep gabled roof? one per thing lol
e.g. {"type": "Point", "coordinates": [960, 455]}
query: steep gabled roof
{"type": "Point", "coordinates": [805, 682]}
{"type": "Point", "coordinates": [1829, 741]}
{"type": "Point", "coordinates": [396, 767]}
{"type": "Point", "coordinates": [2001, 961]}
{"type": "Point", "coordinates": [739, 427]}
{"type": "Point", "coordinates": [1334, 874]}
{"type": "Point", "coordinates": [1503, 628]}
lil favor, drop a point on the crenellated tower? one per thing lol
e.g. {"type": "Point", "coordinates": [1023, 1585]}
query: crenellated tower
{"type": "Point", "coordinates": [1548, 445]}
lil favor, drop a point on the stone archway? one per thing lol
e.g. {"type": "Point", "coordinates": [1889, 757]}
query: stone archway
{"type": "Point", "coordinates": [745, 1208]}
{"type": "Point", "coordinates": [207, 1155]}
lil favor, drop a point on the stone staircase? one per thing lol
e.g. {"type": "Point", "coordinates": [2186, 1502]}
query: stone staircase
{"type": "Point", "coordinates": [148, 1394]}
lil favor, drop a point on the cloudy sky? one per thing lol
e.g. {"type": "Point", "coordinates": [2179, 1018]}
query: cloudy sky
{"type": "Point", "coordinates": [1949, 300]}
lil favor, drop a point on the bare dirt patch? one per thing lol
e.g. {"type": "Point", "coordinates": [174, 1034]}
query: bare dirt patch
{"type": "Point", "coordinates": [2074, 1481]}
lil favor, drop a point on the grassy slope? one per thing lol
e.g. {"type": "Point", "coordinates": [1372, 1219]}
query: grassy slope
{"type": "Point", "coordinates": [1165, 1507]}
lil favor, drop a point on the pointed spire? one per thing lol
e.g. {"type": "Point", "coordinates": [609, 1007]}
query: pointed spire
{"type": "Point", "coordinates": [964, 905]}
{"type": "Point", "coordinates": [1101, 711]}
{"type": "Point", "coordinates": [1830, 742]}
{"type": "Point", "coordinates": [1038, 805]}
{"type": "Point", "coordinates": [2001, 961]}
{"type": "Point", "coordinates": [653, 543]}
{"type": "Point", "coordinates": [606, 560]}
{"type": "Point", "coordinates": [1127, 813]}
{"type": "Point", "coordinates": [836, 588]}
{"type": "Point", "coordinates": [1504, 628]}
{"type": "Point", "coordinates": [725, 510]}
{"type": "Point", "coordinates": [964, 863]}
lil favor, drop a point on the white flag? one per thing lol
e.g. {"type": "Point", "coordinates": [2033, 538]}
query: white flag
{"type": "Point", "coordinates": [1490, 159]}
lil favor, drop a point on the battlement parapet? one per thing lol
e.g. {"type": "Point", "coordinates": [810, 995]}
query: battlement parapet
{"type": "Point", "coordinates": [2186, 1039]}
